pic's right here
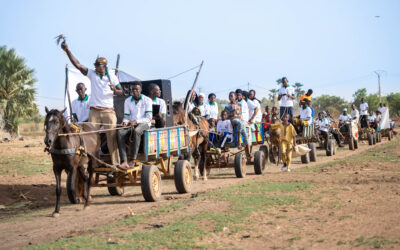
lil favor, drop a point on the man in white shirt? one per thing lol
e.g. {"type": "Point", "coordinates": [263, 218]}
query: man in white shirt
{"type": "Point", "coordinates": [212, 108]}
{"type": "Point", "coordinates": [286, 97]}
{"type": "Point", "coordinates": [355, 115]}
{"type": "Point", "coordinates": [243, 105]}
{"type": "Point", "coordinates": [381, 108]}
{"type": "Point", "coordinates": [155, 94]}
{"type": "Point", "coordinates": [305, 114]}
{"type": "Point", "coordinates": [201, 105]}
{"type": "Point", "coordinates": [254, 107]}
{"type": "Point", "coordinates": [138, 111]}
{"type": "Point", "coordinates": [80, 107]}
{"type": "Point", "coordinates": [103, 87]}
{"type": "Point", "coordinates": [224, 128]}
{"type": "Point", "coordinates": [344, 117]}
{"type": "Point", "coordinates": [364, 113]}
{"type": "Point", "coordinates": [323, 127]}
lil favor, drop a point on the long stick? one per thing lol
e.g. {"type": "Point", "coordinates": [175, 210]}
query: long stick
{"type": "Point", "coordinates": [68, 96]}
{"type": "Point", "coordinates": [117, 66]}
{"type": "Point", "coordinates": [191, 91]}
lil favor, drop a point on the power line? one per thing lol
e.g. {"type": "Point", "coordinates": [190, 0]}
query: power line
{"type": "Point", "coordinates": [169, 78]}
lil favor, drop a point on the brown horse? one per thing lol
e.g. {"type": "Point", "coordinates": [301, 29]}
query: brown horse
{"type": "Point", "coordinates": [198, 134]}
{"type": "Point", "coordinates": [69, 152]}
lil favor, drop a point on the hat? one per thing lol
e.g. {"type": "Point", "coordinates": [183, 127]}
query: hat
{"type": "Point", "coordinates": [101, 60]}
{"type": "Point", "coordinates": [203, 95]}
{"type": "Point", "coordinates": [345, 110]}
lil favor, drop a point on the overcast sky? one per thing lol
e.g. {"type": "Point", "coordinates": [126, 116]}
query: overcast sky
{"type": "Point", "coordinates": [332, 47]}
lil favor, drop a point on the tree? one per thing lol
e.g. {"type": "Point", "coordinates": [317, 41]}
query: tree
{"type": "Point", "coordinates": [393, 100]}
{"type": "Point", "coordinates": [334, 104]}
{"type": "Point", "coordinates": [298, 90]}
{"type": "Point", "coordinates": [17, 92]}
{"type": "Point", "coordinates": [360, 93]}
{"type": "Point", "coordinates": [272, 96]}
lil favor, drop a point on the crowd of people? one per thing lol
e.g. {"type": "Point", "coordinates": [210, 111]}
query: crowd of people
{"type": "Point", "coordinates": [230, 124]}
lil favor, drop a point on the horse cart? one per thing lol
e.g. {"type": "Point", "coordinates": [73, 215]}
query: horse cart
{"type": "Point", "coordinates": [155, 161]}
{"type": "Point", "coordinates": [308, 136]}
{"type": "Point", "coordinates": [349, 134]}
{"type": "Point", "coordinates": [232, 154]}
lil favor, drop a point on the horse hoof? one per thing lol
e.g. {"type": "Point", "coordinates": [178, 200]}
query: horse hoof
{"type": "Point", "coordinates": [86, 207]}
{"type": "Point", "coordinates": [205, 178]}
{"type": "Point", "coordinates": [55, 214]}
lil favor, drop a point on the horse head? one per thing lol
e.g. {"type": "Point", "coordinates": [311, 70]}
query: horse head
{"type": "Point", "coordinates": [54, 122]}
{"type": "Point", "coordinates": [179, 114]}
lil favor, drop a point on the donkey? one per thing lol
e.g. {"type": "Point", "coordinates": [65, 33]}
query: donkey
{"type": "Point", "coordinates": [198, 138]}
{"type": "Point", "coordinates": [67, 152]}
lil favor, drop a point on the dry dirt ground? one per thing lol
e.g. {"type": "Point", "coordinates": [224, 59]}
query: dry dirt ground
{"type": "Point", "coordinates": [345, 201]}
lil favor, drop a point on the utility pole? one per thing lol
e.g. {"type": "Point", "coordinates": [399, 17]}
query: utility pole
{"type": "Point", "coordinates": [199, 88]}
{"type": "Point", "coordinates": [379, 73]}
{"type": "Point", "coordinates": [248, 86]}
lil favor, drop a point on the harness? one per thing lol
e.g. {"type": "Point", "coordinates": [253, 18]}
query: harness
{"type": "Point", "coordinates": [80, 150]}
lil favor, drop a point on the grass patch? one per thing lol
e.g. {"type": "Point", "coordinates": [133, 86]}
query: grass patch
{"type": "Point", "coordinates": [375, 241]}
{"type": "Point", "coordinates": [24, 165]}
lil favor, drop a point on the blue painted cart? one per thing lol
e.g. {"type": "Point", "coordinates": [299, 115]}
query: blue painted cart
{"type": "Point", "coordinates": [155, 162]}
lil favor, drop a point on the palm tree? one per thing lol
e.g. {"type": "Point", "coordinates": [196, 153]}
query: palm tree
{"type": "Point", "coordinates": [272, 95]}
{"type": "Point", "coordinates": [17, 92]}
{"type": "Point", "coordinates": [297, 89]}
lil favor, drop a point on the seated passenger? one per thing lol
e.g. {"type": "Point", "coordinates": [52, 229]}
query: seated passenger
{"type": "Point", "coordinates": [224, 128]}
{"type": "Point", "coordinates": [212, 108]}
{"type": "Point", "coordinates": [305, 117]}
{"type": "Point", "coordinates": [254, 108]}
{"type": "Point", "coordinates": [243, 105]}
{"type": "Point", "coordinates": [371, 120]}
{"type": "Point", "coordinates": [155, 94]}
{"type": "Point", "coordinates": [80, 107]}
{"type": "Point", "coordinates": [344, 117]}
{"type": "Point", "coordinates": [323, 127]}
{"type": "Point", "coordinates": [201, 105]}
{"type": "Point", "coordinates": [193, 102]}
{"type": "Point", "coordinates": [137, 118]}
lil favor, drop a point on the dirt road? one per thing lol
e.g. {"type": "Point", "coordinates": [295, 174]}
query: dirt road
{"type": "Point", "coordinates": [29, 221]}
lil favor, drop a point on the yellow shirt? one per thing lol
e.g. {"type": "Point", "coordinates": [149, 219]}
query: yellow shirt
{"type": "Point", "coordinates": [287, 132]}
{"type": "Point", "coordinates": [305, 97]}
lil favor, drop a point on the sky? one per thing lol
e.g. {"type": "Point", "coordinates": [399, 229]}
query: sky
{"type": "Point", "coordinates": [333, 47]}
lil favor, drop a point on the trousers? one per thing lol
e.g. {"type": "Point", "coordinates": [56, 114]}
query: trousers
{"type": "Point", "coordinates": [287, 148]}
{"type": "Point", "coordinates": [125, 134]}
{"type": "Point", "coordinates": [107, 117]}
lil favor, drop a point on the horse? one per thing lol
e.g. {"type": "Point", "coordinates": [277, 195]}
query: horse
{"type": "Point", "coordinates": [198, 134]}
{"type": "Point", "coordinates": [71, 152]}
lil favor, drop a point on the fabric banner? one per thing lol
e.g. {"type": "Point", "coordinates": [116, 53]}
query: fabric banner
{"type": "Point", "coordinates": [74, 77]}
{"type": "Point", "coordinates": [385, 121]}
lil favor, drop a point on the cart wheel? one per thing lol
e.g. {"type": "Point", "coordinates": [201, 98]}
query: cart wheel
{"type": "Point", "coordinates": [151, 183]}
{"type": "Point", "coordinates": [330, 149]}
{"type": "Point", "coordinates": [183, 176]}
{"type": "Point", "coordinates": [240, 165]}
{"type": "Point", "coordinates": [313, 152]}
{"type": "Point", "coordinates": [370, 139]}
{"type": "Point", "coordinates": [390, 135]}
{"type": "Point", "coordinates": [73, 197]}
{"type": "Point", "coordinates": [264, 148]}
{"type": "Point", "coordinates": [259, 162]}
{"type": "Point", "coordinates": [114, 190]}
{"type": "Point", "coordinates": [351, 143]}
{"type": "Point", "coordinates": [271, 155]}
{"type": "Point", "coordinates": [334, 147]}
{"type": "Point", "coordinates": [374, 139]}
{"type": "Point", "coordinates": [305, 158]}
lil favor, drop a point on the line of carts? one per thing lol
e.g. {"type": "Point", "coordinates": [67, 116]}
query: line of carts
{"type": "Point", "coordinates": [158, 158]}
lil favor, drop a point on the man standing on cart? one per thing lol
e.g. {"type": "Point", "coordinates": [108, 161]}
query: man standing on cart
{"type": "Point", "coordinates": [138, 112]}
{"type": "Point", "coordinates": [103, 87]}
{"type": "Point", "coordinates": [286, 96]}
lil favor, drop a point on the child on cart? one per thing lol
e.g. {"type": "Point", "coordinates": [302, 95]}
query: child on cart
{"type": "Point", "coordinates": [224, 129]}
